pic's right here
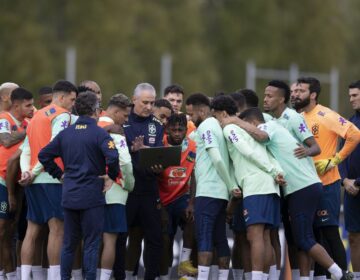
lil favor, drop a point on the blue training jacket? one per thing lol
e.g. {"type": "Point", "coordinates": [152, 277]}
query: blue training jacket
{"type": "Point", "coordinates": [85, 150]}
{"type": "Point", "coordinates": [152, 130]}
{"type": "Point", "coordinates": [350, 167]}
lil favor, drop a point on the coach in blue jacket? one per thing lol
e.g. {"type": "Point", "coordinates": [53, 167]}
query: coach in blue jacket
{"type": "Point", "coordinates": [143, 204]}
{"type": "Point", "coordinates": [86, 150]}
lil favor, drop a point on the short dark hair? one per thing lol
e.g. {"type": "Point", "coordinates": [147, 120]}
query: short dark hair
{"type": "Point", "coordinates": [283, 87]}
{"type": "Point", "coordinates": [163, 103]}
{"type": "Point", "coordinates": [177, 119]}
{"type": "Point", "coordinates": [120, 100]}
{"type": "Point", "coordinates": [253, 113]}
{"type": "Point", "coordinates": [314, 84]}
{"type": "Point", "coordinates": [20, 94]}
{"type": "Point", "coordinates": [81, 89]}
{"type": "Point", "coordinates": [251, 98]}
{"type": "Point", "coordinates": [45, 90]}
{"type": "Point", "coordinates": [239, 99]}
{"type": "Point", "coordinates": [64, 86]}
{"type": "Point", "coordinates": [86, 103]}
{"type": "Point", "coordinates": [173, 89]}
{"type": "Point", "coordinates": [355, 84]}
{"type": "Point", "coordinates": [224, 103]}
{"type": "Point", "coordinates": [198, 99]}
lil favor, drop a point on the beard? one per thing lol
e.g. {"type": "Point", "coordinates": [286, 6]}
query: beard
{"type": "Point", "coordinates": [299, 104]}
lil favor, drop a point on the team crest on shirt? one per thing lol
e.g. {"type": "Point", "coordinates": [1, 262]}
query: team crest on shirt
{"type": "Point", "coordinates": [286, 116]}
{"type": "Point", "coordinates": [315, 129]}
{"type": "Point", "coordinates": [111, 144]}
{"type": "Point", "coordinates": [3, 207]}
{"type": "Point", "coordinates": [152, 129]}
{"type": "Point", "coordinates": [50, 112]}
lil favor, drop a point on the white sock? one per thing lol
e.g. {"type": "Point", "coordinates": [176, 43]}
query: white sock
{"type": "Point", "coordinates": [214, 272]}
{"type": "Point", "coordinates": [278, 272]}
{"type": "Point", "coordinates": [98, 272]}
{"type": "Point", "coordinates": [311, 274]}
{"type": "Point", "coordinates": [105, 274]}
{"type": "Point", "coordinates": [203, 272]}
{"type": "Point", "coordinates": [185, 254]}
{"type": "Point", "coordinates": [321, 277]}
{"type": "Point", "coordinates": [26, 272]}
{"type": "Point", "coordinates": [335, 270]}
{"type": "Point", "coordinates": [18, 272]}
{"type": "Point", "coordinates": [169, 272]}
{"type": "Point", "coordinates": [2, 274]}
{"type": "Point", "coordinates": [223, 274]}
{"type": "Point", "coordinates": [238, 273]}
{"type": "Point", "coordinates": [295, 274]}
{"type": "Point", "coordinates": [304, 278]}
{"type": "Point", "coordinates": [247, 275]}
{"type": "Point", "coordinates": [54, 272]}
{"type": "Point", "coordinates": [273, 273]}
{"type": "Point", "coordinates": [256, 275]}
{"type": "Point", "coordinates": [12, 275]}
{"type": "Point", "coordinates": [129, 274]}
{"type": "Point", "coordinates": [76, 274]}
{"type": "Point", "coordinates": [265, 276]}
{"type": "Point", "coordinates": [162, 277]}
{"type": "Point", "coordinates": [356, 275]}
{"type": "Point", "coordinates": [38, 272]}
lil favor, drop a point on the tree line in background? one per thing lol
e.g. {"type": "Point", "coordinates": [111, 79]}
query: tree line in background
{"type": "Point", "coordinates": [120, 43]}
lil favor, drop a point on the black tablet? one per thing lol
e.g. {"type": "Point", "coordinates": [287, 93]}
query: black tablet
{"type": "Point", "coordinates": [166, 156]}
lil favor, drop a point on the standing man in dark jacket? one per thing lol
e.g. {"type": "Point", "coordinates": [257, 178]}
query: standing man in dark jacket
{"type": "Point", "coordinates": [350, 175]}
{"type": "Point", "coordinates": [86, 150]}
{"type": "Point", "coordinates": [143, 205]}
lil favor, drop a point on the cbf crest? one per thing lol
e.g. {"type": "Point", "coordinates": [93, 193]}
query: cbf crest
{"type": "Point", "coordinates": [152, 129]}
{"type": "Point", "coordinates": [3, 207]}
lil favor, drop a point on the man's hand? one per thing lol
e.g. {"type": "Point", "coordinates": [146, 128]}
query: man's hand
{"type": "Point", "coordinates": [157, 168]}
{"type": "Point", "coordinates": [350, 187]}
{"type": "Point", "coordinates": [189, 211]}
{"type": "Point", "coordinates": [27, 178]}
{"type": "Point", "coordinates": [230, 209]}
{"type": "Point", "coordinates": [12, 203]}
{"type": "Point", "coordinates": [107, 182]}
{"type": "Point", "coordinates": [138, 144]}
{"type": "Point", "coordinates": [280, 180]}
{"type": "Point", "coordinates": [230, 120]}
{"type": "Point", "coordinates": [324, 165]}
{"type": "Point", "coordinates": [301, 151]}
{"type": "Point", "coordinates": [236, 192]}
{"type": "Point", "coordinates": [114, 128]}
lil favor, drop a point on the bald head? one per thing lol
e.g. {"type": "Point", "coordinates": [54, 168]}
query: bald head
{"type": "Point", "coordinates": [94, 87]}
{"type": "Point", "coordinates": [5, 95]}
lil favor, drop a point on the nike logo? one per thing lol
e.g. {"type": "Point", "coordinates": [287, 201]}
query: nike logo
{"type": "Point", "coordinates": [126, 125]}
{"type": "Point", "coordinates": [247, 219]}
{"type": "Point", "coordinates": [324, 220]}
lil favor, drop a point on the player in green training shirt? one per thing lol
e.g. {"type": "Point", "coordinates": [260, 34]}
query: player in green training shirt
{"type": "Point", "coordinates": [214, 184]}
{"type": "Point", "coordinates": [255, 171]}
{"type": "Point", "coordinates": [303, 192]}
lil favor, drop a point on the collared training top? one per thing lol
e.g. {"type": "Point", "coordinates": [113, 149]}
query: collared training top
{"type": "Point", "coordinates": [152, 130]}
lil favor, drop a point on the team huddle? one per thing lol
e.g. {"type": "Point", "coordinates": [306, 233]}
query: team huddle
{"type": "Point", "coordinates": [79, 204]}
